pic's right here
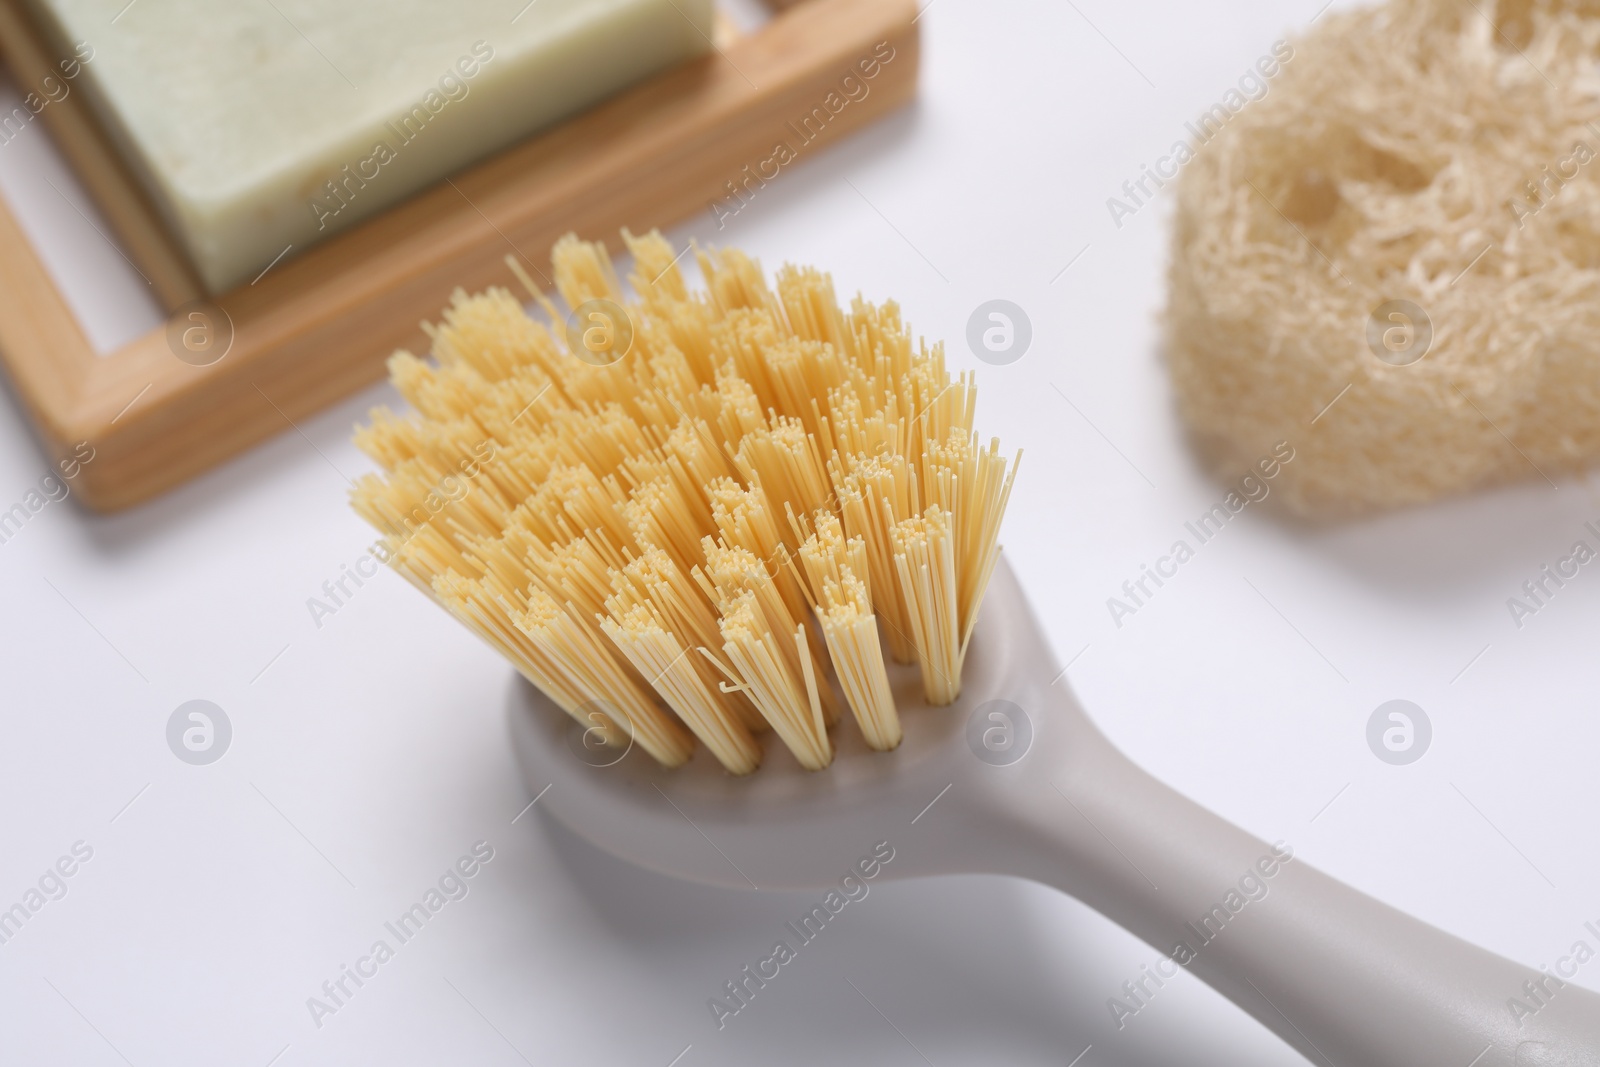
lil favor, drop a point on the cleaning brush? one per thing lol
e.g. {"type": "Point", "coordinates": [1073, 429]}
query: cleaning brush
{"type": "Point", "coordinates": [690, 517]}
{"type": "Point", "coordinates": [703, 512]}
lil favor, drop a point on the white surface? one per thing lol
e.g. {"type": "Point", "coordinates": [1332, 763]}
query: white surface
{"type": "Point", "coordinates": [207, 915]}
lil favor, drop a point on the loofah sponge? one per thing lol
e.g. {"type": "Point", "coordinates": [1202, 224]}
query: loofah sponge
{"type": "Point", "coordinates": [1392, 260]}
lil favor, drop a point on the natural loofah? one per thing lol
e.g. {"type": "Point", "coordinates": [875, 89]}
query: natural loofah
{"type": "Point", "coordinates": [1430, 151]}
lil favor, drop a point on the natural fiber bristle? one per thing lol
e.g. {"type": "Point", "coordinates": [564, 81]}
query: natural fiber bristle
{"type": "Point", "coordinates": [714, 534]}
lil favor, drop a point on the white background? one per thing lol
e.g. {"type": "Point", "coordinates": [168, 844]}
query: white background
{"type": "Point", "coordinates": [372, 752]}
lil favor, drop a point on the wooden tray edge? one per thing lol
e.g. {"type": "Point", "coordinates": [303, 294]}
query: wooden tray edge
{"type": "Point", "coordinates": [322, 330]}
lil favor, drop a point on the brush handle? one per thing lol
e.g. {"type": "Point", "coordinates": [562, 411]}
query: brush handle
{"type": "Point", "coordinates": [1342, 977]}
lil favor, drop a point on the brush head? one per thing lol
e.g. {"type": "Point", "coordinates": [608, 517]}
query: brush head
{"type": "Point", "coordinates": [694, 519]}
{"type": "Point", "coordinates": [789, 828]}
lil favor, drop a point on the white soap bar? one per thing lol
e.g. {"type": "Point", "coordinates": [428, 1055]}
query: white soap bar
{"type": "Point", "coordinates": [261, 125]}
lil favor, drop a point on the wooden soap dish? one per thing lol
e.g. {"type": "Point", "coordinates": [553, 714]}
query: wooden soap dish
{"type": "Point", "coordinates": [319, 326]}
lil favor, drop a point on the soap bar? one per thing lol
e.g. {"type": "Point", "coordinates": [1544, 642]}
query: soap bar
{"type": "Point", "coordinates": [260, 127]}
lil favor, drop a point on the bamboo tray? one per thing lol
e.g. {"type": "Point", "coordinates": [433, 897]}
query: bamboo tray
{"type": "Point", "coordinates": [316, 328]}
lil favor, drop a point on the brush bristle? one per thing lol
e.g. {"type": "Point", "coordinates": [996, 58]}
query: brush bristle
{"type": "Point", "coordinates": [684, 543]}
